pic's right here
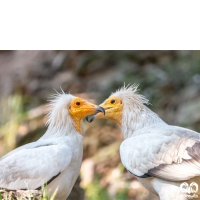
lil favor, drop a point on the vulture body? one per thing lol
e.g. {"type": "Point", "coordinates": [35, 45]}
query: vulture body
{"type": "Point", "coordinates": [55, 159]}
{"type": "Point", "coordinates": [165, 159]}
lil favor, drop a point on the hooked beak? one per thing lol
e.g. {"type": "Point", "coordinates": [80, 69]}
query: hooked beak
{"type": "Point", "coordinates": [92, 119]}
{"type": "Point", "coordinates": [113, 112]}
{"type": "Point", "coordinates": [98, 109]}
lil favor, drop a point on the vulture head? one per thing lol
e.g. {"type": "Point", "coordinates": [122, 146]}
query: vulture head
{"type": "Point", "coordinates": [124, 107]}
{"type": "Point", "coordinates": [66, 113]}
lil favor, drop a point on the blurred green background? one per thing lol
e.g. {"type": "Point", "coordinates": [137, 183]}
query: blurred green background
{"type": "Point", "coordinates": [169, 79]}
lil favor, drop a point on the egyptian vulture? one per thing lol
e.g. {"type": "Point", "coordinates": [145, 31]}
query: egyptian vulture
{"type": "Point", "coordinates": [55, 159]}
{"type": "Point", "coordinates": [165, 158]}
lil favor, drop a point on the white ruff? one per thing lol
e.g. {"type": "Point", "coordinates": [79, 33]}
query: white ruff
{"type": "Point", "coordinates": [59, 121]}
{"type": "Point", "coordinates": [135, 114]}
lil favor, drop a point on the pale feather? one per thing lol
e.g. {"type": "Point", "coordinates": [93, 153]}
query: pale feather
{"type": "Point", "coordinates": [59, 150]}
{"type": "Point", "coordinates": [156, 149]}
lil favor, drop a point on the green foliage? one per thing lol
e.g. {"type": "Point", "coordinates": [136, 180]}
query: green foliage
{"type": "Point", "coordinates": [44, 192]}
{"type": "Point", "coordinates": [95, 191]}
{"type": "Point", "coordinates": [121, 167]}
{"type": "Point", "coordinates": [13, 113]}
{"type": "Point", "coordinates": [53, 195]}
{"type": "Point", "coordinates": [122, 195]}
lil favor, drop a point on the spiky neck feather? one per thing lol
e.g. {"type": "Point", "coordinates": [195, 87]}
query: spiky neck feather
{"type": "Point", "coordinates": [60, 123]}
{"type": "Point", "coordinates": [135, 114]}
{"type": "Point", "coordinates": [136, 120]}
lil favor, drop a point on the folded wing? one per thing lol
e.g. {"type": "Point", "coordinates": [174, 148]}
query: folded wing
{"type": "Point", "coordinates": [32, 167]}
{"type": "Point", "coordinates": [170, 153]}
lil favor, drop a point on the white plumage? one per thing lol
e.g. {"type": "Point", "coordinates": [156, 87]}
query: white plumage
{"type": "Point", "coordinates": [56, 157]}
{"type": "Point", "coordinates": [161, 156]}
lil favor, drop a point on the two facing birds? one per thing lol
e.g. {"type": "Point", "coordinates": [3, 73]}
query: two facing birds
{"type": "Point", "coordinates": [161, 156]}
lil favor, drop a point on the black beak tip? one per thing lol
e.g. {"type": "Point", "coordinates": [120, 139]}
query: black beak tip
{"type": "Point", "coordinates": [91, 120]}
{"type": "Point", "coordinates": [100, 109]}
{"type": "Point", "coordinates": [87, 119]}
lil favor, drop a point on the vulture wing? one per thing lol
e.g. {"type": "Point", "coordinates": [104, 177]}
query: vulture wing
{"type": "Point", "coordinates": [32, 165]}
{"type": "Point", "coordinates": [167, 152]}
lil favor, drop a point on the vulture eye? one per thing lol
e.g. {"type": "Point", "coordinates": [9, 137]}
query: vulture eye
{"type": "Point", "coordinates": [78, 103]}
{"type": "Point", "coordinates": [112, 101]}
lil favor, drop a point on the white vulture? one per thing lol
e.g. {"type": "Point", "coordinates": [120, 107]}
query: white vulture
{"type": "Point", "coordinates": [55, 159]}
{"type": "Point", "coordinates": [165, 158]}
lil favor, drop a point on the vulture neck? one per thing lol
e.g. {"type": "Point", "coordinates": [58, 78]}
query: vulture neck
{"type": "Point", "coordinates": [138, 119]}
{"type": "Point", "coordinates": [62, 130]}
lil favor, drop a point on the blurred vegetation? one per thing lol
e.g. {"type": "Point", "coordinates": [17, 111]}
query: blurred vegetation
{"type": "Point", "coordinates": [12, 114]}
{"type": "Point", "coordinates": [169, 79]}
{"type": "Point", "coordinates": [95, 191]}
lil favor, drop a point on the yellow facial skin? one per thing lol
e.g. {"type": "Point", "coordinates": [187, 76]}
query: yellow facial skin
{"type": "Point", "coordinates": [113, 107]}
{"type": "Point", "coordinates": [80, 108]}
